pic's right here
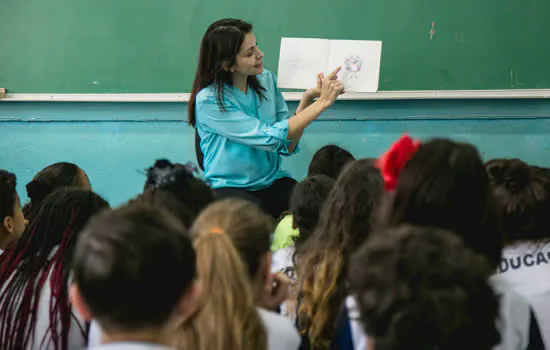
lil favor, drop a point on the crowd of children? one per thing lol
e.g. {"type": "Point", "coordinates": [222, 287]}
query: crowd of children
{"type": "Point", "coordinates": [426, 247]}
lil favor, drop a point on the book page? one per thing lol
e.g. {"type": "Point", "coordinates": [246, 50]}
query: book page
{"type": "Point", "coordinates": [360, 61]}
{"type": "Point", "coordinates": [300, 61]}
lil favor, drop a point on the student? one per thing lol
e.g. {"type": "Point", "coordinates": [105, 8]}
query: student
{"type": "Point", "coordinates": [12, 219]}
{"type": "Point", "coordinates": [232, 239]}
{"type": "Point", "coordinates": [306, 202]}
{"type": "Point", "coordinates": [344, 223]}
{"type": "Point", "coordinates": [51, 178]}
{"type": "Point", "coordinates": [422, 288]}
{"type": "Point", "coordinates": [329, 161]}
{"type": "Point", "coordinates": [35, 312]}
{"type": "Point", "coordinates": [445, 185]}
{"type": "Point", "coordinates": [179, 182]}
{"type": "Point", "coordinates": [522, 203]}
{"type": "Point", "coordinates": [241, 118]}
{"type": "Point", "coordinates": [133, 271]}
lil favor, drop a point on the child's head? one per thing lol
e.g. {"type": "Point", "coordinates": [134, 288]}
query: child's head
{"type": "Point", "coordinates": [181, 183]}
{"type": "Point", "coordinates": [133, 269]}
{"type": "Point", "coordinates": [45, 249]}
{"type": "Point", "coordinates": [247, 227]}
{"type": "Point", "coordinates": [306, 202]}
{"type": "Point", "coordinates": [161, 199]}
{"type": "Point", "coordinates": [232, 241]}
{"type": "Point", "coordinates": [344, 223]}
{"type": "Point", "coordinates": [521, 200]}
{"type": "Point", "coordinates": [329, 160]}
{"type": "Point", "coordinates": [422, 288]}
{"type": "Point", "coordinates": [445, 185]}
{"type": "Point", "coordinates": [11, 216]}
{"type": "Point", "coordinates": [50, 179]}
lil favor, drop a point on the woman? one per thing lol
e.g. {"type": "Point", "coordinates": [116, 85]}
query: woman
{"type": "Point", "coordinates": [242, 121]}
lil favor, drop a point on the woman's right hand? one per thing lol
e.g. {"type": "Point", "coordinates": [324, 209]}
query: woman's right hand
{"type": "Point", "coordinates": [330, 90]}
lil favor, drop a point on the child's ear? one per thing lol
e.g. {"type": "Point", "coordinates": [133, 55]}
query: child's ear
{"type": "Point", "coordinates": [188, 302]}
{"type": "Point", "coordinates": [78, 302]}
{"type": "Point", "coordinates": [8, 224]}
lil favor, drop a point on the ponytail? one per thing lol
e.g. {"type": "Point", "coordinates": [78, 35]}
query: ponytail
{"type": "Point", "coordinates": [226, 317]}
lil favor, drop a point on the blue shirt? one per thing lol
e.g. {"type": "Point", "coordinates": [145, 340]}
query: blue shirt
{"type": "Point", "coordinates": [243, 145]}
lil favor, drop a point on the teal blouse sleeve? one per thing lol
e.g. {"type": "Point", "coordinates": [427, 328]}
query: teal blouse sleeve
{"type": "Point", "coordinates": [238, 126]}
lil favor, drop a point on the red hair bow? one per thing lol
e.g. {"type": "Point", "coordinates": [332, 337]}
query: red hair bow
{"type": "Point", "coordinates": [393, 161]}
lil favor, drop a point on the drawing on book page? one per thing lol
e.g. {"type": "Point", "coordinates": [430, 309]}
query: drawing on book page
{"type": "Point", "coordinates": [360, 62]}
{"type": "Point", "coordinates": [352, 67]}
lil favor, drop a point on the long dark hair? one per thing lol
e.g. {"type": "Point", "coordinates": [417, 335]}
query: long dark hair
{"type": "Point", "coordinates": [46, 181]}
{"type": "Point", "coordinates": [445, 185]}
{"type": "Point", "coordinates": [43, 252]}
{"type": "Point", "coordinates": [219, 47]}
{"type": "Point", "coordinates": [344, 223]}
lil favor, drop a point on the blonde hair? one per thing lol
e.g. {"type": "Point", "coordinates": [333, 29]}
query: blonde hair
{"type": "Point", "coordinates": [231, 237]}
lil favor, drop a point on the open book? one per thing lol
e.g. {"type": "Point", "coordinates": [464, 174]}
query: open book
{"type": "Point", "coordinates": [301, 60]}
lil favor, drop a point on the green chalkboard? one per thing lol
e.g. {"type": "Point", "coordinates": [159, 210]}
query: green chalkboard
{"type": "Point", "coordinates": [151, 46]}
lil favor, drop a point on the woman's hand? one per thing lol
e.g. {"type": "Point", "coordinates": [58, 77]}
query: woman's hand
{"type": "Point", "coordinates": [330, 91]}
{"type": "Point", "coordinates": [315, 92]}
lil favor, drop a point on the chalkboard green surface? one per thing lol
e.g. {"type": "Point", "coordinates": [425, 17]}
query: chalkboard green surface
{"type": "Point", "coordinates": [151, 46]}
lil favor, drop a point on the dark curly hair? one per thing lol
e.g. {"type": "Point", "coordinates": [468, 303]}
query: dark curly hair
{"type": "Point", "coordinates": [344, 223]}
{"type": "Point", "coordinates": [422, 288]}
{"type": "Point", "coordinates": [329, 160]}
{"type": "Point", "coordinates": [521, 200]}
{"type": "Point", "coordinates": [165, 179]}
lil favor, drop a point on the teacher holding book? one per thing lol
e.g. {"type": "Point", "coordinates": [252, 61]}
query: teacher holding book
{"type": "Point", "coordinates": [241, 118]}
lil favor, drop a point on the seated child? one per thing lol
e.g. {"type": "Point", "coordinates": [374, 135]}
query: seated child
{"type": "Point", "coordinates": [422, 288]}
{"type": "Point", "coordinates": [133, 269]}
{"type": "Point", "coordinates": [329, 160]}
{"type": "Point", "coordinates": [306, 202]}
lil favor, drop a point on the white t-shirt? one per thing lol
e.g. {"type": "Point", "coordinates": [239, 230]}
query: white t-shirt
{"type": "Point", "coordinates": [77, 326]}
{"type": "Point", "coordinates": [281, 261]}
{"type": "Point", "coordinates": [358, 335]}
{"type": "Point", "coordinates": [130, 346]}
{"type": "Point", "coordinates": [525, 269]}
{"type": "Point", "coordinates": [281, 334]}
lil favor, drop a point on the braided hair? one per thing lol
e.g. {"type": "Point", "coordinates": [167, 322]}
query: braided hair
{"type": "Point", "coordinates": [43, 255]}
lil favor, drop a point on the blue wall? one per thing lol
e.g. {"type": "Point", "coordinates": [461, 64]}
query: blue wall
{"type": "Point", "coordinates": [114, 142]}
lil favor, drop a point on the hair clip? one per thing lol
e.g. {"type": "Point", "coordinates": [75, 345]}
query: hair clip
{"type": "Point", "coordinates": [216, 230]}
{"type": "Point", "coordinates": [393, 161]}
